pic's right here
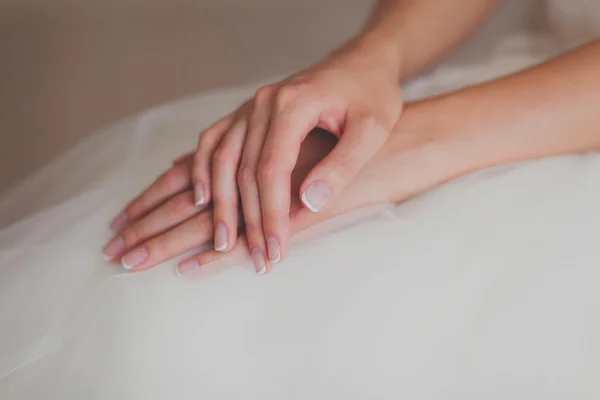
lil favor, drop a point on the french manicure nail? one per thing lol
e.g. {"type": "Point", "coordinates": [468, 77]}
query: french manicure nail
{"type": "Point", "coordinates": [273, 249]}
{"type": "Point", "coordinates": [259, 262]}
{"type": "Point", "coordinates": [316, 195]}
{"type": "Point", "coordinates": [134, 258]}
{"type": "Point", "coordinates": [187, 267]}
{"type": "Point", "coordinates": [220, 237]}
{"type": "Point", "coordinates": [199, 194]}
{"type": "Point", "coordinates": [113, 248]}
{"type": "Point", "coordinates": [119, 221]}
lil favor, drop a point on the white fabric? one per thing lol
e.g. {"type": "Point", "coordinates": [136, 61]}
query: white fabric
{"type": "Point", "coordinates": [486, 287]}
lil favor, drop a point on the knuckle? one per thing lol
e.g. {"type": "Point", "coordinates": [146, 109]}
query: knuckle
{"type": "Point", "coordinates": [266, 169]}
{"type": "Point", "coordinates": [341, 162]}
{"type": "Point", "coordinates": [246, 176]}
{"type": "Point", "coordinates": [200, 171]}
{"type": "Point", "coordinates": [202, 222]}
{"type": "Point", "coordinates": [263, 94]}
{"type": "Point", "coordinates": [339, 167]}
{"type": "Point", "coordinates": [181, 204]}
{"type": "Point", "coordinates": [273, 217]}
{"type": "Point", "coordinates": [225, 207]}
{"type": "Point", "coordinates": [222, 155]}
{"type": "Point", "coordinates": [369, 122]}
{"type": "Point", "coordinates": [371, 125]}
{"type": "Point", "coordinates": [200, 174]}
{"type": "Point", "coordinates": [171, 178]}
{"type": "Point", "coordinates": [253, 232]}
{"type": "Point", "coordinates": [134, 209]}
{"type": "Point", "coordinates": [131, 236]}
{"type": "Point", "coordinates": [340, 172]}
{"type": "Point", "coordinates": [201, 225]}
{"type": "Point", "coordinates": [206, 137]}
{"type": "Point", "coordinates": [285, 95]}
{"type": "Point", "coordinates": [204, 140]}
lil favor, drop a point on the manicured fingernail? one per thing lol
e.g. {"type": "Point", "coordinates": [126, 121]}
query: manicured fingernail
{"type": "Point", "coordinates": [187, 267]}
{"type": "Point", "coordinates": [119, 222]}
{"type": "Point", "coordinates": [134, 258]}
{"type": "Point", "coordinates": [259, 262]}
{"type": "Point", "coordinates": [273, 249]}
{"type": "Point", "coordinates": [220, 237]}
{"type": "Point", "coordinates": [316, 195]}
{"type": "Point", "coordinates": [114, 248]}
{"type": "Point", "coordinates": [199, 194]}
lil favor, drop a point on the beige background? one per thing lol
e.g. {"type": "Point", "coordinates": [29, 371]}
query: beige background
{"type": "Point", "coordinates": [71, 67]}
{"type": "Point", "coordinates": [67, 71]}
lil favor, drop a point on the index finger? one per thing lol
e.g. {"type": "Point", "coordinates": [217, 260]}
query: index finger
{"type": "Point", "coordinates": [278, 158]}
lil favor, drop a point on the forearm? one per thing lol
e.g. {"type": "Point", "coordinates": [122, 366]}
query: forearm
{"type": "Point", "coordinates": [549, 110]}
{"type": "Point", "coordinates": [409, 35]}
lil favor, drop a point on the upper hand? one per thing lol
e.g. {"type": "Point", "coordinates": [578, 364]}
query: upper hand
{"type": "Point", "coordinates": [251, 153]}
{"type": "Point", "coordinates": [164, 222]}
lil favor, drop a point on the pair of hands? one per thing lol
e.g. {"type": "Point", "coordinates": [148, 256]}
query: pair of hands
{"type": "Point", "coordinates": [255, 155]}
{"type": "Point", "coordinates": [164, 221]}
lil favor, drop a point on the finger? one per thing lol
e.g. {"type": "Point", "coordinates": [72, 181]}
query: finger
{"type": "Point", "coordinates": [225, 163]}
{"type": "Point", "coordinates": [175, 180]}
{"type": "Point", "coordinates": [277, 161]}
{"type": "Point", "coordinates": [174, 211]}
{"type": "Point", "coordinates": [247, 182]}
{"type": "Point", "coordinates": [190, 234]}
{"type": "Point", "coordinates": [361, 139]}
{"type": "Point", "coordinates": [193, 265]}
{"type": "Point", "coordinates": [201, 172]}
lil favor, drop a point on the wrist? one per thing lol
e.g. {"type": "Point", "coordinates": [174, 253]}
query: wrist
{"type": "Point", "coordinates": [377, 51]}
{"type": "Point", "coordinates": [421, 153]}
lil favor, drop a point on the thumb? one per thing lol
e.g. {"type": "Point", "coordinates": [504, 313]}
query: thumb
{"type": "Point", "coordinates": [360, 140]}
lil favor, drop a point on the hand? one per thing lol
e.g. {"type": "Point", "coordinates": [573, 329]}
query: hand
{"type": "Point", "coordinates": [169, 223]}
{"type": "Point", "coordinates": [251, 153]}
{"type": "Point", "coordinates": [165, 222]}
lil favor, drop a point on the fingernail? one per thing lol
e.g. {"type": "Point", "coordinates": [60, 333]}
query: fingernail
{"type": "Point", "coordinates": [220, 237]}
{"type": "Point", "coordinates": [273, 249]}
{"type": "Point", "coordinates": [316, 195]}
{"type": "Point", "coordinates": [113, 248]}
{"type": "Point", "coordinates": [134, 258]}
{"type": "Point", "coordinates": [119, 222]}
{"type": "Point", "coordinates": [187, 267]}
{"type": "Point", "coordinates": [259, 262]}
{"type": "Point", "coordinates": [199, 194]}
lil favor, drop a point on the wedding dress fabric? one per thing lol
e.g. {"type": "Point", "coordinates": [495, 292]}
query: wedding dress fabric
{"type": "Point", "coordinates": [486, 287]}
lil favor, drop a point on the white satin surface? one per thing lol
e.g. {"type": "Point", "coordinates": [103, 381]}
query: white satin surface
{"type": "Point", "coordinates": [486, 287]}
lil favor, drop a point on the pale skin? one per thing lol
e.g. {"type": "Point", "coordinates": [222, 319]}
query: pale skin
{"type": "Point", "coordinates": [246, 157]}
{"type": "Point", "coordinates": [547, 110]}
